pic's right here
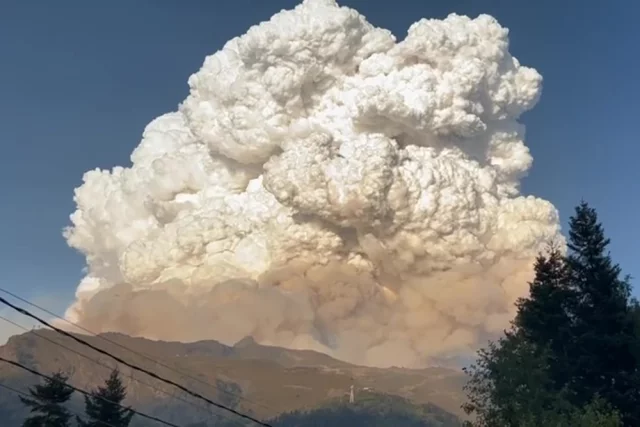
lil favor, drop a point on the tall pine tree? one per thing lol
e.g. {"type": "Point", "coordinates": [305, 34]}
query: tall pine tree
{"type": "Point", "coordinates": [603, 349]}
{"type": "Point", "coordinates": [544, 319]}
{"type": "Point", "coordinates": [103, 407]}
{"type": "Point", "coordinates": [576, 338]}
{"type": "Point", "coordinates": [47, 403]}
{"type": "Point", "coordinates": [519, 379]}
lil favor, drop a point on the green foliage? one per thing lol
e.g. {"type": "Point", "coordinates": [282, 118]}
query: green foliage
{"type": "Point", "coordinates": [571, 356]}
{"type": "Point", "coordinates": [103, 406]}
{"type": "Point", "coordinates": [508, 380]}
{"type": "Point", "coordinates": [544, 318]}
{"type": "Point", "coordinates": [47, 403]}
{"type": "Point", "coordinates": [344, 416]}
{"type": "Point", "coordinates": [603, 360]}
{"type": "Point", "coordinates": [596, 414]}
{"type": "Point", "coordinates": [370, 409]}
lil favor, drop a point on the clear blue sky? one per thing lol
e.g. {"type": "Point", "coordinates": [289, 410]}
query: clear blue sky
{"type": "Point", "coordinates": [79, 81]}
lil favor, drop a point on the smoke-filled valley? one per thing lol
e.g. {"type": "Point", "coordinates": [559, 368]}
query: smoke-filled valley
{"type": "Point", "coordinates": [325, 186]}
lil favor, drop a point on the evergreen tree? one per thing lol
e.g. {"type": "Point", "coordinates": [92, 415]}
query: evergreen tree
{"type": "Point", "coordinates": [574, 347]}
{"type": "Point", "coordinates": [604, 347]}
{"type": "Point", "coordinates": [523, 372]}
{"type": "Point", "coordinates": [545, 318]}
{"type": "Point", "coordinates": [46, 403]}
{"type": "Point", "coordinates": [545, 314]}
{"type": "Point", "coordinates": [103, 407]}
{"type": "Point", "coordinates": [508, 383]}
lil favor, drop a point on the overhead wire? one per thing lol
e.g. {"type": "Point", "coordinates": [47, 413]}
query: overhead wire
{"type": "Point", "coordinates": [133, 366]}
{"type": "Point", "coordinates": [23, 394]}
{"type": "Point", "coordinates": [98, 362]}
{"type": "Point", "coordinates": [86, 393]}
{"type": "Point", "coordinates": [140, 354]}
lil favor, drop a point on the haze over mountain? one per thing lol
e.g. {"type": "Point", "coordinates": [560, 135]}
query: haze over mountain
{"type": "Point", "coordinates": [264, 381]}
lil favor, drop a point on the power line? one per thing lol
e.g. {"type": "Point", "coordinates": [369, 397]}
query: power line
{"type": "Point", "coordinates": [86, 393]}
{"type": "Point", "coordinates": [109, 367]}
{"type": "Point", "coordinates": [23, 394]}
{"type": "Point", "coordinates": [132, 366]}
{"type": "Point", "coordinates": [144, 356]}
{"type": "Point", "coordinates": [97, 362]}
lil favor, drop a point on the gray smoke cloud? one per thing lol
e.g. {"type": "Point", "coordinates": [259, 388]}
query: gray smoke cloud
{"type": "Point", "coordinates": [325, 186]}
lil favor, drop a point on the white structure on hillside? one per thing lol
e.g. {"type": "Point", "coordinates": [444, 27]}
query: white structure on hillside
{"type": "Point", "coordinates": [351, 396]}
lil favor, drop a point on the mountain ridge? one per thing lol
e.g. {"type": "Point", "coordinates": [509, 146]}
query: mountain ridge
{"type": "Point", "coordinates": [262, 380]}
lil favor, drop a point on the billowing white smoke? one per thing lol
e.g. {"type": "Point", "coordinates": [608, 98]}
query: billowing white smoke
{"type": "Point", "coordinates": [325, 187]}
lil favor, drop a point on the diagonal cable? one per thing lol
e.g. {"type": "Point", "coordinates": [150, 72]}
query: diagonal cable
{"type": "Point", "coordinates": [99, 363]}
{"type": "Point", "coordinates": [144, 356]}
{"type": "Point", "coordinates": [132, 366]}
{"type": "Point", "coordinates": [86, 393]}
{"type": "Point", "coordinates": [23, 394]}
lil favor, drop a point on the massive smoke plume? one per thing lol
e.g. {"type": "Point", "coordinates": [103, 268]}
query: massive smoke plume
{"type": "Point", "coordinates": [324, 186]}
